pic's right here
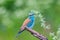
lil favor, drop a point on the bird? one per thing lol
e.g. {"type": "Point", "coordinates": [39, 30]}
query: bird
{"type": "Point", "coordinates": [29, 23]}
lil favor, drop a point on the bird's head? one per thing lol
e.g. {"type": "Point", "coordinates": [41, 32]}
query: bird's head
{"type": "Point", "coordinates": [33, 12]}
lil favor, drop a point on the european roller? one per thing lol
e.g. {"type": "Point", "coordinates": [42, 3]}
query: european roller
{"type": "Point", "coordinates": [29, 22]}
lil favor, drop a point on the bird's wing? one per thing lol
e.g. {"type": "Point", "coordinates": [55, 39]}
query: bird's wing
{"type": "Point", "coordinates": [26, 22]}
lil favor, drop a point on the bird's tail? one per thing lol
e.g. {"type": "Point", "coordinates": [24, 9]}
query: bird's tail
{"type": "Point", "coordinates": [19, 33]}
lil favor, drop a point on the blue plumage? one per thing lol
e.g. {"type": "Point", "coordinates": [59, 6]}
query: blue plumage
{"type": "Point", "coordinates": [32, 21]}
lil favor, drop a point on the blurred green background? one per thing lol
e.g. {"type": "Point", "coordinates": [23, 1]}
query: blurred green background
{"type": "Point", "coordinates": [14, 12]}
